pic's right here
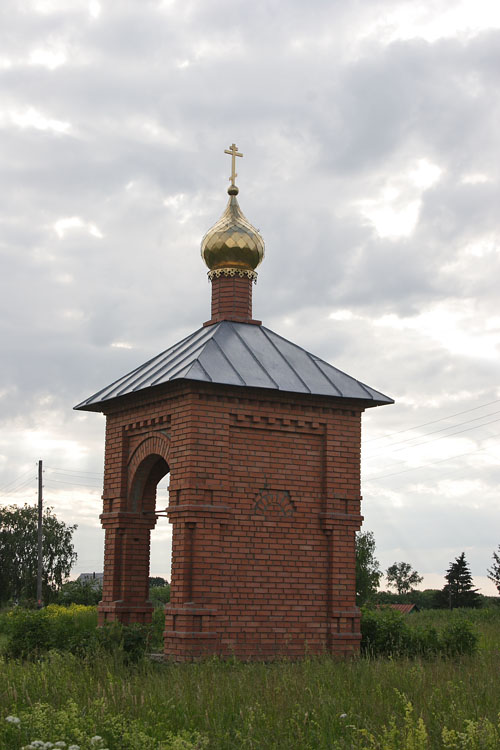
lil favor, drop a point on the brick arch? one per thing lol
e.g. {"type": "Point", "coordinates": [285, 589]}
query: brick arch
{"type": "Point", "coordinates": [147, 463]}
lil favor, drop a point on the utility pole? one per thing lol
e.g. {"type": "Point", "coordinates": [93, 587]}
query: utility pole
{"type": "Point", "coordinates": [40, 547]}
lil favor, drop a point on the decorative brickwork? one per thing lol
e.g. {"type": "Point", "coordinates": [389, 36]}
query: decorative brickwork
{"type": "Point", "coordinates": [264, 506]}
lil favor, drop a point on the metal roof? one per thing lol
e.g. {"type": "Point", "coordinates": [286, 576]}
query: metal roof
{"type": "Point", "coordinates": [239, 354]}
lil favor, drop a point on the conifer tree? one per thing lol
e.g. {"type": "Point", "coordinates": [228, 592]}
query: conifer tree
{"type": "Point", "coordinates": [459, 590]}
{"type": "Point", "coordinates": [494, 571]}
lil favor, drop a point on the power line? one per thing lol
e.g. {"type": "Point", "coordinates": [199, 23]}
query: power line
{"type": "Point", "coordinates": [71, 471]}
{"type": "Point", "coordinates": [20, 487]}
{"type": "Point", "coordinates": [434, 421]}
{"type": "Point", "coordinates": [461, 470]}
{"type": "Point", "coordinates": [459, 432]}
{"type": "Point", "coordinates": [423, 466]}
{"type": "Point", "coordinates": [73, 476]}
{"type": "Point", "coordinates": [433, 432]}
{"type": "Point", "coordinates": [13, 481]}
{"type": "Point", "coordinates": [74, 484]}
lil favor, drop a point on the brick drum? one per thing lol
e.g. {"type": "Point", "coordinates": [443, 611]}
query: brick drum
{"type": "Point", "coordinates": [264, 506]}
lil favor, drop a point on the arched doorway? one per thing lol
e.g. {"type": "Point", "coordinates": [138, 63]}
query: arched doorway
{"type": "Point", "coordinates": [142, 506]}
{"type": "Point", "coordinates": [160, 558]}
{"type": "Point", "coordinates": [128, 519]}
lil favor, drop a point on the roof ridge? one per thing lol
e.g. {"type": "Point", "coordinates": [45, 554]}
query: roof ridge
{"type": "Point", "coordinates": [175, 349]}
{"type": "Point", "coordinates": [313, 359]}
{"type": "Point", "coordinates": [252, 354]}
{"type": "Point", "coordinates": [264, 331]}
{"type": "Point", "coordinates": [365, 387]}
{"type": "Point", "coordinates": [214, 340]}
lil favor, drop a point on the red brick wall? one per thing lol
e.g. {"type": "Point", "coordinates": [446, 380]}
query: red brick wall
{"type": "Point", "coordinates": [232, 299]}
{"type": "Point", "coordinates": [264, 502]}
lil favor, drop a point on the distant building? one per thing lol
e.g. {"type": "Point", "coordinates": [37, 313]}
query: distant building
{"type": "Point", "coordinates": [93, 578]}
{"type": "Point", "coordinates": [404, 608]}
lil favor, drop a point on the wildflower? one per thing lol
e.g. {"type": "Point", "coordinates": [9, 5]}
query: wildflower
{"type": "Point", "coordinates": [60, 743]}
{"type": "Point", "coordinates": [343, 716]}
{"type": "Point", "coordinates": [94, 740]}
{"type": "Point", "coordinates": [13, 719]}
{"type": "Point", "coordinates": [74, 747]}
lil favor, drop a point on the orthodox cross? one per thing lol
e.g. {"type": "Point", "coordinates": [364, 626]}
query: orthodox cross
{"type": "Point", "coordinates": [233, 151]}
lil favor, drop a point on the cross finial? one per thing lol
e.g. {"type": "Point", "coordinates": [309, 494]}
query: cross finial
{"type": "Point", "coordinates": [233, 151]}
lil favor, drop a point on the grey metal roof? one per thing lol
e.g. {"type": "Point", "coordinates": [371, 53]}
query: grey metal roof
{"type": "Point", "coordinates": [239, 354]}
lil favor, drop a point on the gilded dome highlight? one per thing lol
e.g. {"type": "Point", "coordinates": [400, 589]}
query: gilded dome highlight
{"type": "Point", "coordinates": [232, 247]}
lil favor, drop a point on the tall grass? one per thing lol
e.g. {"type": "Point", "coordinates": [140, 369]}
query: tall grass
{"type": "Point", "coordinates": [314, 704]}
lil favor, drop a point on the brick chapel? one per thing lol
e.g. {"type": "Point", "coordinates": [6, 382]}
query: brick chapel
{"type": "Point", "coordinates": [262, 442]}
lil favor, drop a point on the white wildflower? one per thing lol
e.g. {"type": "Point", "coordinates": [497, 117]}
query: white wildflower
{"type": "Point", "coordinates": [343, 716]}
{"type": "Point", "coordinates": [13, 719]}
{"type": "Point", "coordinates": [95, 739]}
{"type": "Point", "coordinates": [38, 743]}
{"type": "Point", "coordinates": [74, 747]}
{"type": "Point", "coordinates": [60, 743]}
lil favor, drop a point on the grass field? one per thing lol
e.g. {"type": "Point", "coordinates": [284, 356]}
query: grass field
{"type": "Point", "coordinates": [314, 704]}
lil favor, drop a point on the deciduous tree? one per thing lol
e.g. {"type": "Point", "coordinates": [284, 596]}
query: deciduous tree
{"type": "Point", "coordinates": [368, 571]}
{"type": "Point", "coordinates": [402, 577]}
{"type": "Point", "coordinates": [18, 552]}
{"type": "Point", "coordinates": [79, 592]}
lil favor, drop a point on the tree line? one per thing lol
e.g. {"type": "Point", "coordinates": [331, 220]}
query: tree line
{"type": "Point", "coordinates": [18, 567]}
{"type": "Point", "coordinates": [458, 590]}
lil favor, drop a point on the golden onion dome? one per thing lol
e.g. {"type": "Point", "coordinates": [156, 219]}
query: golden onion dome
{"type": "Point", "coordinates": [232, 247]}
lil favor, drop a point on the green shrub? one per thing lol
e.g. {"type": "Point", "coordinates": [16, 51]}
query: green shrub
{"type": "Point", "coordinates": [458, 638]}
{"type": "Point", "coordinates": [32, 632]}
{"type": "Point", "coordinates": [128, 641]}
{"type": "Point", "coordinates": [157, 628]}
{"type": "Point", "coordinates": [80, 592]}
{"type": "Point", "coordinates": [159, 595]}
{"type": "Point", "coordinates": [28, 633]}
{"type": "Point", "coordinates": [386, 632]}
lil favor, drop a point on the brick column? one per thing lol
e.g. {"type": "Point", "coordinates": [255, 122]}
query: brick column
{"type": "Point", "coordinates": [340, 519]}
{"type": "Point", "coordinates": [232, 300]}
{"type": "Point", "coordinates": [126, 568]}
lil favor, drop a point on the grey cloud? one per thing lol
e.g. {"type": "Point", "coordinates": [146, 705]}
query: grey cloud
{"type": "Point", "coordinates": [321, 129]}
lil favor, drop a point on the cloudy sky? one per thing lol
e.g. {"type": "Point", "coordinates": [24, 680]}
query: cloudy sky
{"type": "Point", "coordinates": [371, 134]}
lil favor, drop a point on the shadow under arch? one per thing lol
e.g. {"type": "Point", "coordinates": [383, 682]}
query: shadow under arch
{"type": "Point", "coordinates": [142, 493]}
{"type": "Point", "coordinates": [135, 543]}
